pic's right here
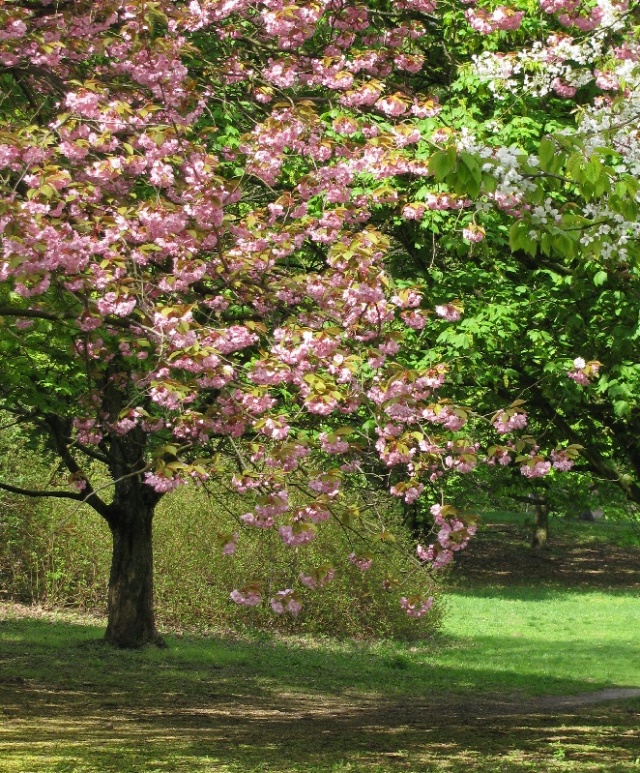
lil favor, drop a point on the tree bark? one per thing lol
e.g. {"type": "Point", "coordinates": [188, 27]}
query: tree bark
{"type": "Point", "coordinates": [131, 621]}
{"type": "Point", "coordinates": [541, 528]}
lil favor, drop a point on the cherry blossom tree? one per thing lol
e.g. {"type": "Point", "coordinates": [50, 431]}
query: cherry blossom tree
{"type": "Point", "coordinates": [199, 199]}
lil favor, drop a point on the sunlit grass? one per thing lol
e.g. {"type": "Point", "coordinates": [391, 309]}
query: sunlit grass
{"type": "Point", "coordinates": [539, 642]}
{"type": "Point", "coordinates": [462, 702]}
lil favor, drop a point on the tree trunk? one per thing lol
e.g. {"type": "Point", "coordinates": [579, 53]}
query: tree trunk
{"type": "Point", "coordinates": [131, 622]}
{"type": "Point", "coordinates": [541, 528]}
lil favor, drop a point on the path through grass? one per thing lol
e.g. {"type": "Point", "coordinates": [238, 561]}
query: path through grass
{"type": "Point", "coordinates": [464, 703]}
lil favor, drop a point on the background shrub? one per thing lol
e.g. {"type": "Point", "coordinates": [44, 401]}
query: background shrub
{"type": "Point", "coordinates": [57, 553]}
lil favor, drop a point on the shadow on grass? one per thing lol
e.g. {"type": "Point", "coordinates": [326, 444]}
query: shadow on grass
{"type": "Point", "coordinates": [69, 703]}
{"type": "Point", "coordinates": [73, 658]}
{"type": "Point", "coordinates": [546, 592]}
{"type": "Point", "coordinates": [501, 559]}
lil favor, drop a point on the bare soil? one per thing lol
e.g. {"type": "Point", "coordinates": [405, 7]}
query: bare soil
{"type": "Point", "coordinates": [501, 556]}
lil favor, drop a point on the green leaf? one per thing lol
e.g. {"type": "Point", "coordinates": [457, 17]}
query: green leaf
{"type": "Point", "coordinates": [621, 408]}
{"type": "Point", "coordinates": [441, 164]}
{"type": "Point", "coordinates": [519, 238]}
{"type": "Point", "coordinates": [546, 153]}
{"type": "Point", "coordinates": [574, 167]}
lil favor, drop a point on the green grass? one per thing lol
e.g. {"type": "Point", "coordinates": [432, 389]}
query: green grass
{"type": "Point", "coordinates": [541, 641]}
{"type": "Point", "coordinates": [291, 704]}
{"type": "Point", "coordinates": [529, 641]}
{"type": "Point", "coordinates": [467, 700]}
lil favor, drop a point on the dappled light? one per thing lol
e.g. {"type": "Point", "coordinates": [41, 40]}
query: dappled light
{"type": "Point", "coordinates": [298, 300]}
{"type": "Point", "coordinates": [300, 704]}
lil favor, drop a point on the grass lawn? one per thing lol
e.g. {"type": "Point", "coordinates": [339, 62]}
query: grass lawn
{"type": "Point", "coordinates": [485, 696]}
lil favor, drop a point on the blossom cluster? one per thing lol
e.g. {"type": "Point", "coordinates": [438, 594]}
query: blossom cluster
{"type": "Point", "coordinates": [453, 535]}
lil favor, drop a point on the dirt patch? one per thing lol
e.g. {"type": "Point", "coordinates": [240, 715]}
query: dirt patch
{"type": "Point", "coordinates": [500, 556]}
{"type": "Point", "coordinates": [556, 702]}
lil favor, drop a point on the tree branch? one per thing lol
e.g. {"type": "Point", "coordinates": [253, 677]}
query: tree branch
{"type": "Point", "coordinates": [90, 453]}
{"type": "Point", "coordinates": [61, 439]}
{"type": "Point", "coordinates": [77, 496]}
{"type": "Point", "coordinates": [14, 311]}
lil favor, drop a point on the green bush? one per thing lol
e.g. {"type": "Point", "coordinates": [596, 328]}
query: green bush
{"type": "Point", "coordinates": [194, 578]}
{"type": "Point", "coordinates": [57, 553]}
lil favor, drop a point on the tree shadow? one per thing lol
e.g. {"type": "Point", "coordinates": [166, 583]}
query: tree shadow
{"type": "Point", "coordinates": [292, 733]}
{"type": "Point", "coordinates": [69, 704]}
{"type": "Point", "coordinates": [535, 593]}
{"type": "Point", "coordinates": [500, 558]}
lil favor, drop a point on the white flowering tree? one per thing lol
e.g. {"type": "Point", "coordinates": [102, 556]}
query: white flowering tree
{"type": "Point", "coordinates": [550, 294]}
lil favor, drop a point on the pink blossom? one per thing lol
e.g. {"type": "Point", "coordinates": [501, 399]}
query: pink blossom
{"type": "Point", "coordinates": [479, 21]}
{"type": "Point", "coordinates": [293, 536]}
{"type": "Point", "coordinates": [501, 456]}
{"type": "Point", "coordinates": [276, 429]}
{"type": "Point", "coordinates": [606, 81]}
{"type": "Point", "coordinates": [579, 377]}
{"type": "Point", "coordinates": [316, 513]}
{"type": "Point", "coordinates": [308, 580]}
{"type": "Point", "coordinates": [363, 564]}
{"type": "Point", "coordinates": [393, 105]}
{"type": "Point", "coordinates": [321, 405]}
{"type": "Point", "coordinates": [110, 303]}
{"type": "Point", "coordinates": [413, 492]}
{"type": "Point", "coordinates": [161, 483]}
{"type": "Point", "coordinates": [14, 29]}
{"type": "Point", "coordinates": [249, 598]}
{"type": "Point", "coordinates": [510, 420]}
{"type": "Point", "coordinates": [286, 601]}
{"type": "Point", "coordinates": [563, 89]}
{"type": "Point", "coordinates": [427, 108]}
{"type": "Point", "coordinates": [414, 211]}
{"type": "Point", "coordinates": [555, 6]}
{"type": "Point", "coordinates": [538, 469]}
{"type": "Point", "coordinates": [584, 23]}
{"type": "Point", "coordinates": [449, 312]}
{"type": "Point", "coordinates": [460, 464]}
{"type": "Point", "coordinates": [583, 372]}
{"type": "Point", "coordinates": [415, 319]}
{"type": "Point", "coordinates": [473, 233]}
{"type": "Point", "coordinates": [416, 606]}
{"type": "Point", "coordinates": [333, 444]}
{"type": "Point", "coordinates": [506, 18]}
{"type": "Point", "coordinates": [408, 492]}
{"type": "Point", "coordinates": [85, 103]}
{"type": "Point", "coordinates": [9, 155]}
{"type": "Point", "coordinates": [229, 548]}
{"type": "Point", "coordinates": [561, 461]}
{"type": "Point", "coordinates": [318, 577]}
{"type": "Point", "coordinates": [325, 484]}
{"type": "Point", "coordinates": [502, 18]}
